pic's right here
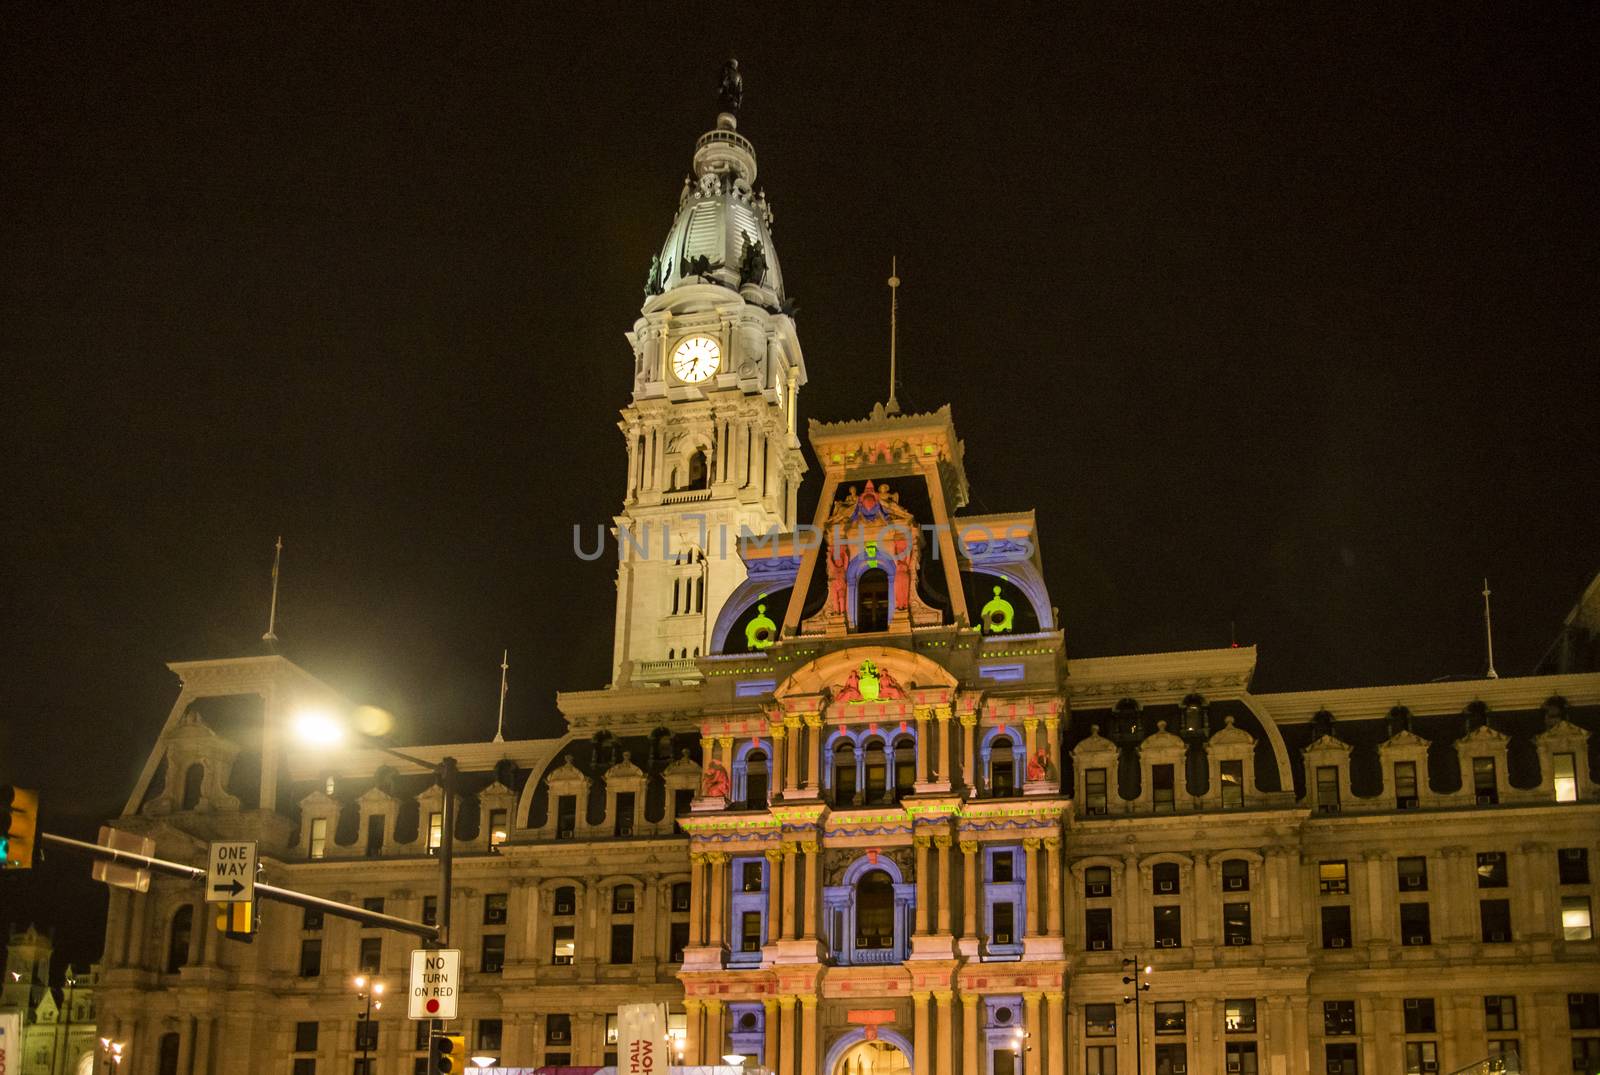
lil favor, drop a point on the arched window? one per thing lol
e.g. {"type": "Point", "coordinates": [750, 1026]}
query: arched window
{"type": "Point", "coordinates": [192, 781]}
{"type": "Point", "coordinates": [167, 1054]}
{"type": "Point", "coordinates": [875, 910]}
{"type": "Point", "coordinates": [697, 471]}
{"type": "Point", "coordinates": [1002, 768]}
{"type": "Point", "coordinates": [844, 773]}
{"type": "Point", "coordinates": [755, 780]}
{"type": "Point", "coordinates": [872, 600]}
{"type": "Point", "coordinates": [905, 767]}
{"type": "Point", "coordinates": [877, 772]}
{"type": "Point", "coordinates": [179, 937]}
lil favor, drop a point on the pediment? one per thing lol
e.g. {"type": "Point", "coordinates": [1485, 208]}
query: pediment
{"type": "Point", "coordinates": [1095, 743]}
{"type": "Point", "coordinates": [1405, 739]}
{"type": "Point", "coordinates": [1563, 731]}
{"type": "Point", "coordinates": [1483, 734]}
{"type": "Point", "coordinates": [1328, 744]}
{"type": "Point", "coordinates": [1231, 736]}
{"type": "Point", "coordinates": [624, 770]}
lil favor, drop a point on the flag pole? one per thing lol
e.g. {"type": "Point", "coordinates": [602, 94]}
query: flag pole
{"type": "Point", "coordinates": [272, 614]}
{"type": "Point", "coordinates": [500, 724]}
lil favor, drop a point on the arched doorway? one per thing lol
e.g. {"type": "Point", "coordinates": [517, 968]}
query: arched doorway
{"type": "Point", "coordinates": [873, 1058]}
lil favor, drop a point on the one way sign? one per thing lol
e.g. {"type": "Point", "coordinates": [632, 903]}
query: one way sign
{"type": "Point", "coordinates": [231, 873]}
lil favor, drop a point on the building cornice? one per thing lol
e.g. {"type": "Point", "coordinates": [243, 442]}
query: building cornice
{"type": "Point", "coordinates": [1430, 699]}
{"type": "Point", "coordinates": [1160, 678]}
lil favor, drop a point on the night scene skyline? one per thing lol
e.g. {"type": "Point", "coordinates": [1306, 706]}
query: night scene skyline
{"type": "Point", "coordinates": [1281, 319]}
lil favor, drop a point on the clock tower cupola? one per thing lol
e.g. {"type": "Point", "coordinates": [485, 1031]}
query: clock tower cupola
{"type": "Point", "coordinates": [710, 431]}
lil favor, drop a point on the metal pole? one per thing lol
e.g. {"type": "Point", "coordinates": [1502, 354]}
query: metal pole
{"type": "Point", "coordinates": [447, 846]}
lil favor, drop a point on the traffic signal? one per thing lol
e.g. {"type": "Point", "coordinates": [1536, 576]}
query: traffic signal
{"type": "Point", "coordinates": [447, 1054]}
{"type": "Point", "coordinates": [239, 921]}
{"type": "Point", "coordinates": [19, 818]}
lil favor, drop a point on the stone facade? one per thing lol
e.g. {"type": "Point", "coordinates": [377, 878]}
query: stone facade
{"type": "Point", "coordinates": [58, 1023]}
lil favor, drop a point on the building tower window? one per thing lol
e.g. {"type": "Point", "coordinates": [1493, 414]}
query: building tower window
{"type": "Point", "coordinates": [844, 772]}
{"type": "Point", "coordinates": [1484, 784]}
{"type": "Point", "coordinates": [872, 600]}
{"type": "Point", "coordinates": [877, 772]}
{"type": "Point", "coordinates": [905, 767]}
{"type": "Point", "coordinates": [1405, 785]}
{"type": "Point", "coordinates": [755, 780]}
{"type": "Point", "coordinates": [1002, 768]}
{"type": "Point", "coordinates": [193, 780]}
{"type": "Point", "coordinates": [875, 910]}
{"type": "Point", "coordinates": [179, 937]}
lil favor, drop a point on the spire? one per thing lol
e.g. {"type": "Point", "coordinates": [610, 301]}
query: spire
{"type": "Point", "coordinates": [271, 637]}
{"type": "Point", "coordinates": [893, 406]}
{"type": "Point", "coordinates": [500, 724]}
{"type": "Point", "coordinates": [1488, 630]}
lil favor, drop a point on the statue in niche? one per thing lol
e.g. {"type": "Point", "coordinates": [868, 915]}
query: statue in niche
{"type": "Point", "coordinates": [753, 269]}
{"type": "Point", "coordinates": [1039, 767]}
{"type": "Point", "coordinates": [838, 560]}
{"type": "Point", "coordinates": [715, 783]}
{"type": "Point", "coordinates": [730, 87]}
{"type": "Point", "coordinates": [652, 283]}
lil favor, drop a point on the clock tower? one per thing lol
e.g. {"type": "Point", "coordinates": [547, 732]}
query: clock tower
{"type": "Point", "coordinates": [710, 431]}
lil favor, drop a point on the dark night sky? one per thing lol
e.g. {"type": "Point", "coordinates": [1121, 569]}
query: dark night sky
{"type": "Point", "coordinates": [1285, 317]}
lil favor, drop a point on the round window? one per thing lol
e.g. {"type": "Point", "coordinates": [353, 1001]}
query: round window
{"type": "Point", "coordinates": [747, 1021]}
{"type": "Point", "coordinates": [1002, 1016]}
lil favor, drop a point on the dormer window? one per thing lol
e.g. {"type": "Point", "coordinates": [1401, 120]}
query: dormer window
{"type": "Point", "coordinates": [1405, 785]}
{"type": "Point", "coordinates": [566, 817]}
{"type": "Point", "coordinates": [1565, 773]}
{"type": "Point", "coordinates": [1162, 793]}
{"type": "Point", "coordinates": [1094, 793]}
{"type": "Point", "coordinates": [1484, 784]}
{"type": "Point", "coordinates": [1231, 774]}
{"type": "Point", "coordinates": [318, 846]}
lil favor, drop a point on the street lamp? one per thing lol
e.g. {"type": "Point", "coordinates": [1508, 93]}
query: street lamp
{"type": "Point", "coordinates": [111, 1051]}
{"type": "Point", "coordinates": [1140, 984]}
{"type": "Point", "coordinates": [484, 1061]}
{"type": "Point", "coordinates": [368, 990]}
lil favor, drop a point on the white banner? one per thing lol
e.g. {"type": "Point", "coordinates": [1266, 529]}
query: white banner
{"type": "Point", "coordinates": [11, 1043]}
{"type": "Point", "coordinates": [642, 1039]}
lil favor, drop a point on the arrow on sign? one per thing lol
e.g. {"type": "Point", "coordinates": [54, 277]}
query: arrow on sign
{"type": "Point", "coordinates": [232, 888]}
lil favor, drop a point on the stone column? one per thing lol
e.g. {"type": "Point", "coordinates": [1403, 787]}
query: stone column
{"type": "Point", "coordinates": [941, 771]}
{"type": "Point", "coordinates": [697, 898]}
{"type": "Point", "coordinates": [718, 896]}
{"type": "Point", "coordinates": [1052, 731]}
{"type": "Point", "coordinates": [1056, 1022]}
{"type": "Point", "coordinates": [795, 775]}
{"type": "Point", "coordinates": [786, 1036]}
{"type": "Point", "coordinates": [186, 1043]}
{"type": "Point", "coordinates": [1052, 886]}
{"type": "Point", "coordinates": [774, 857]}
{"type": "Point", "coordinates": [202, 1044]}
{"type": "Point", "coordinates": [1035, 1040]}
{"type": "Point", "coordinates": [923, 746]}
{"type": "Point", "coordinates": [648, 908]}
{"type": "Point", "coordinates": [725, 748]}
{"type": "Point", "coordinates": [813, 752]}
{"type": "Point", "coordinates": [945, 1033]}
{"type": "Point", "coordinates": [1136, 926]}
{"type": "Point", "coordinates": [791, 895]}
{"type": "Point", "coordinates": [924, 889]}
{"type": "Point", "coordinates": [808, 1033]}
{"type": "Point", "coordinates": [769, 1046]}
{"type": "Point", "coordinates": [716, 1043]}
{"type": "Point", "coordinates": [969, 893]}
{"type": "Point", "coordinates": [942, 842]}
{"type": "Point", "coordinates": [780, 748]}
{"type": "Point", "coordinates": [813, 909]}
{"type": "Point", "coordinates": [970, 1003]}
{"type": "Point", "coordinates": [920, 1033]}
{"type": "Point", "coordinates": [1030, 741]}
{"type": "Point", "coordinates": [693, 1036]}
{"type": "Point", "coordinates": [1031, 843]}
{"type": "Point", "coordinates": [969, 747]}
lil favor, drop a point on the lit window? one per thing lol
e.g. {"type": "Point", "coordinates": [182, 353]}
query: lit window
{"type": "Point", "coordinates": [563, 947]}
{"type": "Point", "coordinates": [319, 837]}
{"type": "Point", "coordinates": [435, 830]}
{"type": "Point", "coordinates": [1232, 777]}
{"type": "Point", "coordinates": [1405, 784]}
{"type": "Point", "coordinates": [1239, 1016]}
{"type": "Point", "coordinates": [499, 827]}
{"type": "Point", "coordinates": [1170, 1017]}
{"type": "Point", "coordinates": [1484, 784]}
{"type": "Point", "coordinates": [1334, 878]}
{"type": "Point", "coordinates": [1491, 869]}
{"type": "Point", "coordinates": [1566, 778]}
{"type": "Point", "coordinates": [1575, 921]}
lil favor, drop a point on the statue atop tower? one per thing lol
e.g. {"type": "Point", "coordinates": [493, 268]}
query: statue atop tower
{"type": "Point", "coordinates": [730, 90]}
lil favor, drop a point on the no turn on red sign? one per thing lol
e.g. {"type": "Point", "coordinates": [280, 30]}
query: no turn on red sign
{"type": "Point", "coordinates": [435, 982]}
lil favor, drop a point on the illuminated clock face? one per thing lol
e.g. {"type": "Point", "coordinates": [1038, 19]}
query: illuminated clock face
{"type": "Point", "coordinates": [696, 358]}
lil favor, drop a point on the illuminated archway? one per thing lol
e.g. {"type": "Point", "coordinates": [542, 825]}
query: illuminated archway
{"type": "Point", "coordinates": [853, 1054]}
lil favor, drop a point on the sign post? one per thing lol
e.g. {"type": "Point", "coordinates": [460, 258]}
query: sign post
{"type": "Point", "coordinates": [435, 983]}
{"type": "Point", "coordinates": [231, 872]}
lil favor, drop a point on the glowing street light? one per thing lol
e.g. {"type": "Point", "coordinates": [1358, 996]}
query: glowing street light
{"type": "Point", "coordinates": [483, 1061]}
{"type": "Point", "coordinates": [318, 728]}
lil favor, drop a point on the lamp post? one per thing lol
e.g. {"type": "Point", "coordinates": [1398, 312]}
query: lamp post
{"type": "Point", "coordinates": [111, 1052]}
{"type": "Point", "coordinates": [368, 990]}
{"type": "Point", "coordinates": [1131, 976]}
{"type": "Point", "coordinates": [66, 1030]}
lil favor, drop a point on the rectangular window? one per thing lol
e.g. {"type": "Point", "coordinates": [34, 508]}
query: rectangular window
{"type": "Point", "coordinates": [1001, 867]}
{"type": "Point", "coordinates": [750, 931]}
{"type": "Point", "coordinates": [305, 1037]}
{"type": "Point", "coordinates": [1491, 869]}
{"type": "Point", "coordinates": [1165, 879]}
{"type": "Point", "coordinates": [1239, 1016]}
{"type": "Point", "coordinates": [1236, 923]}
{"type": "Point", "coordinates": [1100, 1020]}
{"type": "Point", "coordinates": [310, 958]}
{"type": "Point", "coordinates": [1172, 1059]}
{"type": "Point", "coordinates": [1161, 789]}
{"type": "Point", "coordinates": [677, 941]}
{"type": "Point", "coordinates": [621, 942]}
{"type": "Point", "coordinates": [489, 1034]}
{"type": "Point", "coordinates": [1097, 929]}
{"type": "Point", "coordinates": [1583, 1011]}
{"type": "Point", "coordinates": [1500, 1013]}
{"type": "Point", "coordinates": [566, 817]}
{"type": "Point", "coordinates": [1341, 1058]}
{"type": "Point", "coordinates": [613, 1031]}
{"type": "Point", "coordinates": [1328, 789]}
{"type": "Point", "coordinates": [557, 1030]}
{"type": "Point", "coordinates": [430, 910]}
{"type": "Point", "coordinates": [373, 904]}
{"type": "Point", "coordinates": [311, 920]}
{"type": "Point", "coordinates": [1576, 925]}
{"type": "Point", "coordinates": [566, 901]}
{"type": "Point", "coordinates": [1507, 1046]}
{"type": "Point", "coordinates": [622, 825]}
{"type": "Point", "coordinates": [1336, 927]}
{"type": "Point", "coordinates": [1097, 882]}
{"type": "Point", "coordinates": [366, 1035]}
{"type": "Point", "coordinates": [1566, 777]}
{"type": "Point", "coordinates": [1005, 923]}
{"type": "Point", "coordinates": [1418, 1015]}
{"type": "Point", "coordinates": [1235, 875]}
{"type": "Point", "coordinates": [1572, 865]}
{"type": "Point", "coordinates": [562, 946]}
{"type": "Point", "coordinates": [1338, 1017]}
{"type": "Point", "coordinates": [375, 835]}
{"type": "Point", "coordinates": [499, 827]}
{"type": "Point", "coordinates": [494, 953]}
{"type": "Point", "coordinates": [1100, 1060]}
{"type": "Point", "coordinates": [1484, 785]}
{"type": "Point", "coordinates": [1413, 871]}
{"type": "Point", "coordinates": [1231, 774]}
{"type": "Point", "coordinates": [1094, 793]}
{"type": "Point", "coordinates": [1333, 877]}
{"type": "Point", "coordinates": [1586, 1054]}
{"type": "Point", "coordinates": [1240, 1058]}
{"type": "Point", "coordinates": [622, 899]}
{"type": "Point", "coordinates": [1422, 1058]}
{"type": "Point", "coordinates": [1405, 785]}
{"type": "Point", "coordinates": [1169, 927]}
{"type": "Point", "coordinates": [371, 961]}
{"type": "Point", "coordinates": [435, 830]}
{"type": "Point", "coordinates": [1170, 1017]}
{"type": "Point", "coordinates": [494, 909]}
{"type": "Point", "coordinates": [307, 1065]}
{"type": "Point", "coordinates": [1414, 924]}
{"type": "Point", "coordinates": [1494, 917]}
{"type": "Point", "coordinates": [319, 838]}
{"type": "Point", "coordinates": [750, 877]}
{"type": "Point", "coordinates": [680, 896]}
{"type": "Point", "coordinates": [682, 803]}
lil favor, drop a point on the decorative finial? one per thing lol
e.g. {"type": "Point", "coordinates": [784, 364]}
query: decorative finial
{"type": "Point", "coordinates": [271, 637]}
{"type": "Point", "coordinates": [893, 406]}
{"type": "Point", "coordinates": [730, 90]}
